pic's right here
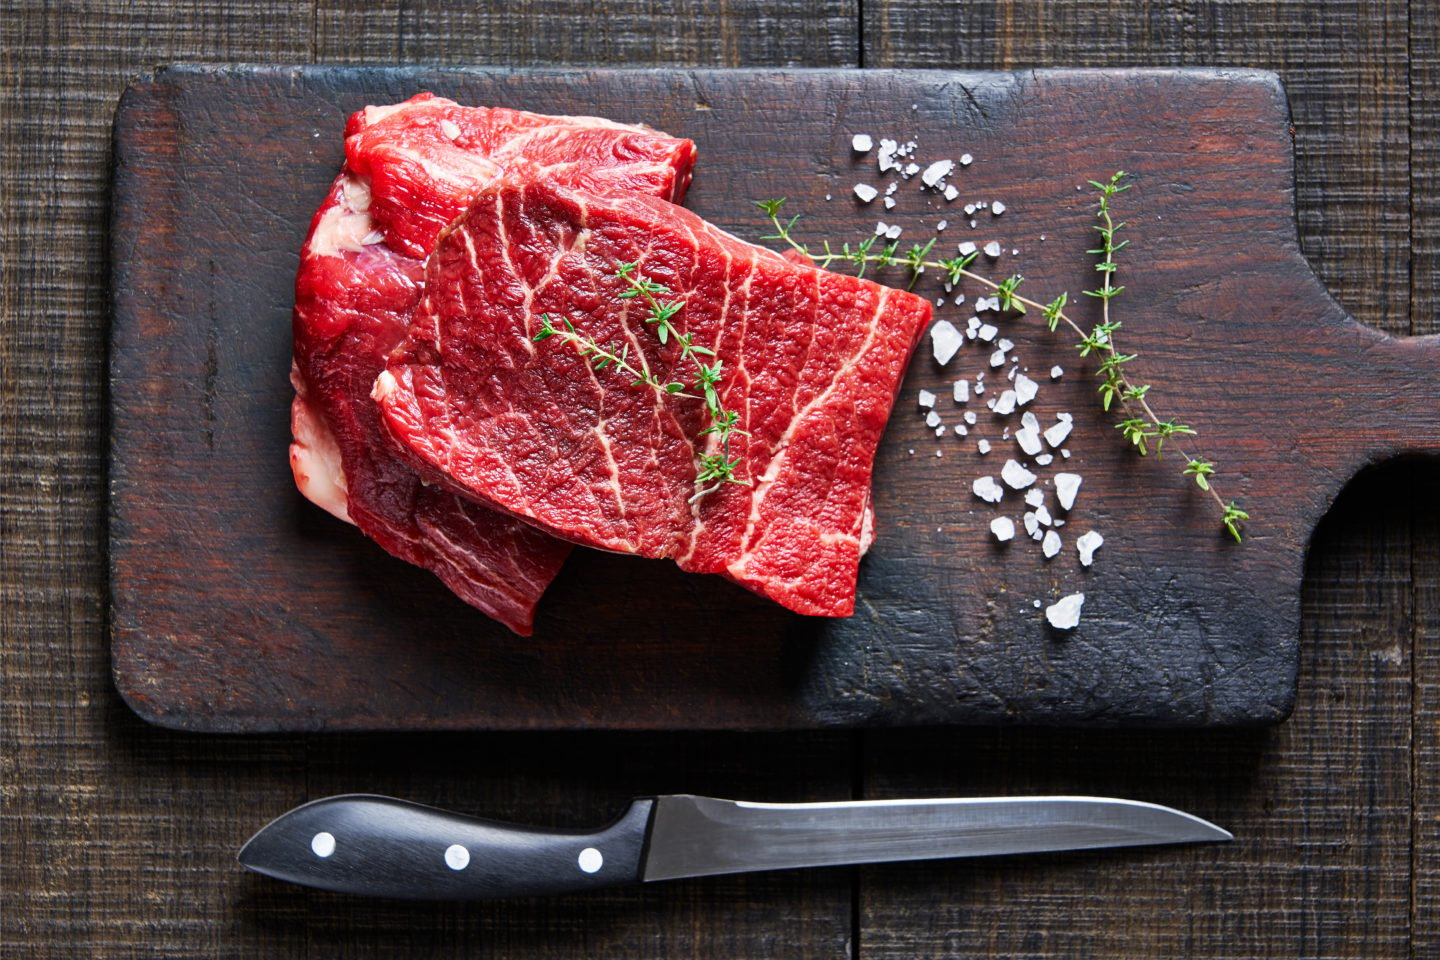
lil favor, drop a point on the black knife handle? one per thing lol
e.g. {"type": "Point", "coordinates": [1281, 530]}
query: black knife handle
{"type": "Point", "coordinates": [379, 846]}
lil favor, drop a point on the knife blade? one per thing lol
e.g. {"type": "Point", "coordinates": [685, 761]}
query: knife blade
{"type": "Point", "coordinates": [380, 846]}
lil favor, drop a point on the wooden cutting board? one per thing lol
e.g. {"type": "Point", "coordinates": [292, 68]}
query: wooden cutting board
{"type": "Point", "coordinates": [238, 606]}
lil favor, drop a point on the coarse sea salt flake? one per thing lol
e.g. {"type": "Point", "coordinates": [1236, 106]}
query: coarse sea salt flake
{"type": "Point", "coordinates": [1003, 528]}
{"type": "Point", "coordinates": [966, 248]}
{"type": "Point", "coordinates": [927, 399]}
{"type": "Point", "coordinates": [1064, 614]}
{"type": "Point", "coordinates": [962, 391]}
{"type": "Point", "coordinates": [1051, 544]}
{"type": "Point", "coordinates": [988, 490]}
{"type": "Point", "coordinates": [1056, 372]}
{"type": "Point", "coordinates": [1029, 421]}
{"type": "Point", "coordinates": [1029, 441]}
{"type": "Point", "coordinates": [861, 143]}
{"type": "Point", "coordinates": [1044, 460]}
{"type": "Point", "coordinates": [944, 341]}
{"type": "Point", "coordinates": [893, 233]}
{"type": "Point", "coordinates": [1067, 485]}
{"type": "Point", "coordinates": [1032, 525]}
{"type": "Point", "coordinates": [987, 332]}
{"type": "Point", "coordinates": [940, 431]}
{"type": "Point", "coordinates": [1088, 543]}
{"type": "Point", "coordinates": [992, 249]}
{"type": "Point", "coordinates": [970, 417]}
{"type": "Point", "coordinates": [865, 193]}
{"type": "Point", "coordinates": [960, 430]}
{"type": "Point", "coordinates": [936, 172]}
{"type": "Point", "coordinates": [950, 192]}
{"type": "Point", "coordinates": [997, 359]}
{"type": "Point", "coordinates": [889, 203]}
{"type": "Point", "coordinates": [966, 160]}
{"type": "Point", "coordinates": [1006, 404]}
{"type": "Point", "coordinates": [932, 419]}
{"type": "Point", "coordinates": [1034, 497]}
{"type": "Point", "coordinates": [1056, 435]}
{"type": "Point", "coordinates": [997, 208]}
{"type": "Point", "coordinates": [1042, 515]}
{"type": "Point", "coordinates": [1025, 389]}
{"type": "Point", "coordinates": [983, 446]}
{"type": "Point", "coordinates": [941, 225]}
{"type": "Point", "coordinates": [1015, 476]}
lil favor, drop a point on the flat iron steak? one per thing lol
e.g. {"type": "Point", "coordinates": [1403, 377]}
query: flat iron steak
{"type": "Point", "coordinates": [812, 363]}
{"type": "Point", "coordinates": [410, 169]}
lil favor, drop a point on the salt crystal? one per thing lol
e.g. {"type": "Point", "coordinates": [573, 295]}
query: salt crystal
{"type": "Point", "coordinates": [997, 208]}
{"type": "Point", "coordinates": [1056, 435]}
{"type": "Point", "coordinates": [1042, 515]}
{"type": "Point", "coordinates": [966, 248]}
{"type": "Point", "coordinates": [1044, 460]}
{"type": "Point", "coordinates": [972, 224]}
{"type": "Point", "coordinates": [950, 192]}
{"type": "Point", "coordinates": [983, 446]}
{"type": "Point", "coordinates": [1065, 453]}
{"type": "Point", "coordinates": [886, 157]}
{"type": "Point", "coordinates": [1036, 604]}
{"type": "Point", "coordinates": [939, 431]}
{"type": "Point", "coordinates": [992, 249]}
{"type": "Point", "coordinates": [987, 332]}
{"type": "Point", "coordinates": [1015, 476]}
{"type": "Point", "coordinates": [962, 391]}
{"type": "Point", "coordinates": [960, 430]}
{"type": "Point", "coordinates": [1034, 497]}
{"type": "Point", "coordinates": [861, 143]}
{"type": "Point", "coordinates": [944, 341]}
{"type": "Point", "coordinates": [939, 453]}
{"type": "Point", "coordinates": [1051, 544]}
{"type": "Point", "coordinates": [1064, 614]}
{"type": "Point", "coordinates": [1029, 421]}
{"type": "Point", "coordinates": [893, 233]}
{"type": "Point", "coordinates": [1064, 416]}
{"type": "Point", "coordinates": [1056, 372]}
{"type": "Point", "coordinates": [894, 185]}
{"type": "Point", "coordinates": [1025, 389]}
{"type": "Point", "coordinates": [997, 359]}
{"type": "Point", "coordinates": [936, 172]}
{"type": "Point", "coordinates": [966, 160]}
{"type": "Point", "coordinates": [1006, 344]}
{"type": "Point", "coordinates": [932, 419]}
{"type": "Point", "coordinates": [1029, 441]}
{"type": "Point", "coordinates": [889, 203]}
{"type": "Point", "coordinates": [865, 192]}
{"type": "Point", "coordinates": [1087, 545]}
{"type": "Point", "coordinates": [1003, 528]}
{"type": "Point", "coordinates": [1032, 525]}
{"type": "Point", "coordinates": [880, 227]}
{"type": "Point", "coordinates": [927, 399]}
{"type": "Point", "coordinates": [1014, 251]}
{"type": "Point", "coordinates": [988, 490]}
{"type": "Point", "coordinates": [1067, 485]}
{"type": "Point", "coordinates": [1006, 404]}
{"type": "Point", "coordinates": [970, 417]}
{"type": "Point", "coordinates": [969, 209]}
{"type": "Point", "coordinates": [910, 170]}
{"type": "Point", "coordinates": [941, 225]}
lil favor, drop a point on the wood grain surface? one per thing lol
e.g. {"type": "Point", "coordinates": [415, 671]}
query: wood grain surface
{"type": "Point", "coordinates": [116, 839]}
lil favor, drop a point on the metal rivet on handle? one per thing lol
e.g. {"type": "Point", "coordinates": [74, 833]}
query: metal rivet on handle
{"type": "Point", "coordinates": [323, 844]}
{"type": "Point", "coordinates": [591, 860]}
{"type": "Point", "coordinates": [457, 857]}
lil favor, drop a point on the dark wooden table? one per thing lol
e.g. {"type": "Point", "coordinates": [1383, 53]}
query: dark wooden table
{"type": "Point", "coordinates": [118, 838]}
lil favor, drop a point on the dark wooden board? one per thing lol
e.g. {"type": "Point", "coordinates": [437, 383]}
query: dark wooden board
{"type": "Point", "coordinates": [237, 606]}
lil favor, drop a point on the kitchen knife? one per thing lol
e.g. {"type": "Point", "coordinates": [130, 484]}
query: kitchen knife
{"type": "Point", "coordinates": [384, 847]}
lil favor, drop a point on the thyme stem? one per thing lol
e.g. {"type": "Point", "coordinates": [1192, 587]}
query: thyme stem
{"type": "Point", "coordinates": [1117, 387]}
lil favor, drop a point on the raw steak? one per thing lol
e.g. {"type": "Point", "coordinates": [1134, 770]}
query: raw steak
{"type": "Point", "coordinates": [409, 170]}
{"type": "Point", "coordinates": [813, 360]}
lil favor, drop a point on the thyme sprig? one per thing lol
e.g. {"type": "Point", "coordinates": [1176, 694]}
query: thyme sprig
{"type": "Point", "coordinates": [1142, 426]}
{"type": "Point", "coordinates": [714, 468]}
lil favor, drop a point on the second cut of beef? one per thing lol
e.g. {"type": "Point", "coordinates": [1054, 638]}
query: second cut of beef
{"type": "Point", "coordinates": [410, 169]}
